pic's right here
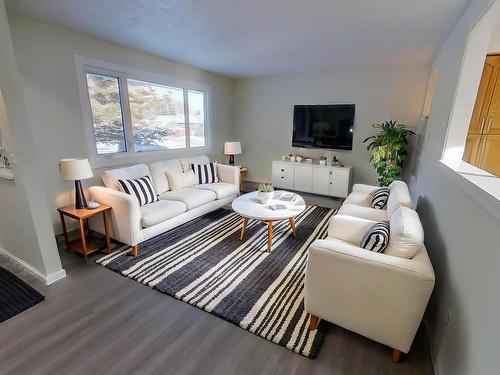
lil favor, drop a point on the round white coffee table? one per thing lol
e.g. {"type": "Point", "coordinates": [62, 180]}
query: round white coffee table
{"type": "Point", "coordinates": [249, 207]}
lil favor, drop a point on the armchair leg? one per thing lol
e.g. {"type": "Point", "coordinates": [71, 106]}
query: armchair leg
{"type": "Point", "coordinates": [313, 322]}
{"type": "Point", "coordinates": [135, 250]}
{"type": "Point", "coordinates": [396, 355]}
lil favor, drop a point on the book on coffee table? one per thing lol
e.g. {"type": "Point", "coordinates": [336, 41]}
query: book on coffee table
{"type": "Point", "coordinates": [277, 207]}
{"type": "Point", "coordinates": [286, 196]}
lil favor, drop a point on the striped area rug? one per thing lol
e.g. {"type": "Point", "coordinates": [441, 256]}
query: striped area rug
{"type": "Point", "coordinates": [204, 263]}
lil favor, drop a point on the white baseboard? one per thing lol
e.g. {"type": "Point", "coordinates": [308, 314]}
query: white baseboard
{"type": "Point", "coordinates": [47, 279]}
{"type": "Point", "coordinates": [55, 276]}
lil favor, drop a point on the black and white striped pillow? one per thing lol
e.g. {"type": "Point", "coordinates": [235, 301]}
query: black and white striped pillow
{"type": "Point", "coordinates": [377, 237]}
{"type": "Point", "coordinates": [380, 198]}
{"type": "Point", "coordinates": [205, 173]}
{"type": "Point", "coordinates": [142, 188]}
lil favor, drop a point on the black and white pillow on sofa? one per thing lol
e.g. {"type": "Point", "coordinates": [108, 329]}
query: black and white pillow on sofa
{"type": "Point", "coordinates": [205, 173]}
{"type": "Point", "coordinates": [380, 198]}
{"type": "Point", "coordinates": [376, 238]}
{"type": "Point", "coordinates": [142, 188]}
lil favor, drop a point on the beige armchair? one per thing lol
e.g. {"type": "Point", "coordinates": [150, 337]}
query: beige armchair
{"type": "Point", "coordinates": [380, 296]}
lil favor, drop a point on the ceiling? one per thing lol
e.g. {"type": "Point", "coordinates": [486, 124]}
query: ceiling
{"type": "Point", "coordinates": [244, 38]}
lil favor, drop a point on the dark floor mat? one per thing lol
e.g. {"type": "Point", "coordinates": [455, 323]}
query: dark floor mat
{"type": "Point", "coordinates": [15, 295]}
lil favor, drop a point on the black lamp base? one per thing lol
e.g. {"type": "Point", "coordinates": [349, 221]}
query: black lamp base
{"type": "Point", "coordinates": [80, 201]}
{"type": "Point", "coordinates": [231, 159]}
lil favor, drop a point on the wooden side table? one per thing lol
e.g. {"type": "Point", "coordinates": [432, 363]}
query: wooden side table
{"type": "Point", "coordinates": [243, 170]}
{"type": "Point", "coordinates": [83, 245]}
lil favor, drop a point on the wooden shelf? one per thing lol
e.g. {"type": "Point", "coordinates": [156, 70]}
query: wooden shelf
{"type": "Point", "coordinates": [91, 245]}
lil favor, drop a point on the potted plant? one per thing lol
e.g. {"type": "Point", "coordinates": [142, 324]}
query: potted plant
{"type": "Point", "coordinates": [389, 149]}
{"type": "Point", "coordinates": [265, 193]}
{"type": "Point", "coordinates": [322, 160]}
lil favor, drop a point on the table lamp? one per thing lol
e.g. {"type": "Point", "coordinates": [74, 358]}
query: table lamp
{"type": "Point", "coordinates": [77, 170]}
{"type": "Point", "coordinates": [231, 149]}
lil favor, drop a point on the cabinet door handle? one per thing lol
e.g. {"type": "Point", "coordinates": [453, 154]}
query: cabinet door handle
{"type": "Point", "coordinates": [282, 177]}
{"type": "Point", "coordinates": [482, 124]}
{"type": "Point", "coordinates": [282, 170]}
{"type": "Point", "coordinates": [489, 123]}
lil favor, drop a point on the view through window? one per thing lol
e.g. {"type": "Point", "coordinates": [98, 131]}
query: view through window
{"type": "Point", "coordinates": [482, 148]}
{"type": "Point", "coordinates": [104, 94]}
{"type": "Point", "coordinates": [161, 116]}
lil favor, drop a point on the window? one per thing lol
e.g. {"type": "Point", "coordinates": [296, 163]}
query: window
{"type": "Point", "coordinates": [482, 145]}
{"type": "Point", "coordinates": [196, 104]}
{"type": "Point", "coordinates": [135, 111]}
{"type": "Point", "coordinates": [105, 103]}
{"type": "Point", "coordinates": [470, 152]}
{"type": "Point", "coordinates": [157, 112]}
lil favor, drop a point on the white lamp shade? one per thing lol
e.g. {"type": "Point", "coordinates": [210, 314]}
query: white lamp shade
{"type": "Point", "coordinates": [75, 169]}
{"type": "Point", "coordinates": [232, 148]}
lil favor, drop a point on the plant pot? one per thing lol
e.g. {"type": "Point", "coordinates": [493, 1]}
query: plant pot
{"type": "Point", "coordinates": [265, 197]}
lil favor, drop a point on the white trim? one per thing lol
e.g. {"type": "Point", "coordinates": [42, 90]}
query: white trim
{"type": "Point", "coordinates": [47, 279]}
{"type": "Point", "coordinates": [84, 65]}
{"type": "Point", "coordinates": [55, 276]}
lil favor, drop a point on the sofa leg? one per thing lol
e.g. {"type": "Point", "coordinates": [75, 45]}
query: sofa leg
{"type": "Point", "coordinates": [313, 322]}
{"type": "Point", "coordinates": [396, 355]}
{"type": "Point", "coordinates": [135, 250]}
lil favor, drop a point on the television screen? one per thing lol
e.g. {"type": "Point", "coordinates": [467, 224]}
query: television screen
{"type": "Point", "coordinates": [323, 126]}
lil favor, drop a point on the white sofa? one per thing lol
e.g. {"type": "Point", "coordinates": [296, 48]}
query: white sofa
{"type": "Point", "coordinates": [358, 203]}
{"type": "Point", "coordinates": [382, 296]}
{"type": "Point", "coordinates": [132, 224]}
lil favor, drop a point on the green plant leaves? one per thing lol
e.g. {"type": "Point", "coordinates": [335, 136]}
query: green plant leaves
{"type": "Point", "coordinates": [389, 149]}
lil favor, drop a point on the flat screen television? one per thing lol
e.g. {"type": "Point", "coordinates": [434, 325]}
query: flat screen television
{"type": "Point", "coordinates": [323, 126]}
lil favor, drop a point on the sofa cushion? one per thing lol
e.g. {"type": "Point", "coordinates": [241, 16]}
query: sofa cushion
{"type": "Point", "coordinates": [142, 188]}
{"type": "Point", "coordinates": [376, 238]}
{"type": "Point", "coordinates": [407, 234]}
{"type": "Point", "coordinates": [179, 180]}
{"type": "Point", "coordinates": [159, 170]}
{"type": "Point", "coordinates": [110, 178]}
{"type": "Point", "coordinates": [362, 212]}
{"type": "Point", "coordinates": [190, 196]}
{"type": "Point", "coordinates": [361, 199]}
{"type": "Point", "coordinates": [158, 212]}
{"type": "Point", "coordinates": [221, 189]}
{"type": "Point", "coordinates": [205, 173]}
{"type": "Point", "coordinates": [398, 197]}
{"type": "Point", "coordinates": [202, 159]}
{"type": "Point", "coordinates": [380, 197]}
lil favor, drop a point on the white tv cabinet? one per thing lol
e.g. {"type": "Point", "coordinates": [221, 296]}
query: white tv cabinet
{"type": "Point", "coordinates": [312, 178]}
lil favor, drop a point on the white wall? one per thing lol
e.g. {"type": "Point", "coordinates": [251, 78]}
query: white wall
{"type": "Point", "coordinates": [494, 46]}
{"type": "Point", "coordinates": [264, 107]}
{"type": "Point", "coordinates": [462, 237]}
{"type": "Point", "coordinates": [24, 230]}
{"type": "Point", "coordinates": [45, 56]}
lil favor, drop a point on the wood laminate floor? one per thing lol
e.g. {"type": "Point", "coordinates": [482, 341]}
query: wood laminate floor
{"type": "Point", "coordinates": [97, 322]}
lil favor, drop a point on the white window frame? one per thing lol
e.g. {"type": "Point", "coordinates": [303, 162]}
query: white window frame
{"type": "Point", "coordinates": [479, 184]}
{"type": "Point", "coordinates": [86, 65]}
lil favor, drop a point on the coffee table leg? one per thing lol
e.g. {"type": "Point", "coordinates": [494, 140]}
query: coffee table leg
{"type": "Point", "coordinates": [292, 224]}
{"type": "Point", "coordinates": [269, 235]}
{"type": "Point", "coordinates": [243, 228]}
